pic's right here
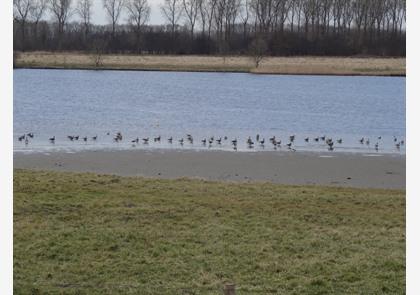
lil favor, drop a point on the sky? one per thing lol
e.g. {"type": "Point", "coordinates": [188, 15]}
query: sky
{"type": "Point", "coordinates": [99, 15]}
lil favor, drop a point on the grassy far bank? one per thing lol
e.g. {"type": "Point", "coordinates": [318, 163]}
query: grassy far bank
{"type": "Point", "coordinates": [103, 234]}
{"type": "Point", "coordinates": [269, 65]}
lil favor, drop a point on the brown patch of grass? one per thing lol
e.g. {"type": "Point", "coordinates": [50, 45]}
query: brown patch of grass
{"type": "Point", "coordinates": [270, 65]}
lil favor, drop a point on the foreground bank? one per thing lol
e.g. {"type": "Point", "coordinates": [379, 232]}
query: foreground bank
{"type": "Point", "coordinates": [283, 167]}
{"type": "Point", "coordinates": [270, 65]}
{"type": "Point", "coordinates": [99, 234]}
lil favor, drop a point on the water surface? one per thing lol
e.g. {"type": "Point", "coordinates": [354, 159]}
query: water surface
{"type": "Point", "coordinates": [147, 104]}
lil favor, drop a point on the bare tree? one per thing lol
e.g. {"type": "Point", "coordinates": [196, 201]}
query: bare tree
{"type": "Point", "coordinates": [21, 9]}
{"type": "Point", "coordinates": [191, 8]}
{"type": "Point", "coordinates": [171, 11]}
{"type": "Point", "coordinates": [61, 12]}
{"type": "Point", "coordinates": [98, 49]}
{"type": "Point", "coordinates": [36, 13]}
{"type": "Point", "coordinates": [84, 10]}
{"type": "Point", "coordinates": [258, 50]}
{"type": "Point", "coordinates": [245, 15]}
{"type": "Point", "coordinates": [138, 15]}
{"type": "Point", "coordinates": [113, 8]}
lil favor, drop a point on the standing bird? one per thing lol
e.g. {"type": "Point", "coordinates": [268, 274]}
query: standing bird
{"type": "Point", "coordinates": [170, 139]}
{"type": "Point", "coordinates": [340, 141]}
{"type": "Point", "coordinates": [145, 140]}
{"type": "Point", "coordinates": [95, 137]}
{"type": "Point", "coordinates": [135, 140]}
{"type": "Point", "coordinates": [52, 139]}
{"type": "Point", "coordinates": [292, 138]}
{"type": "Point", "coordinates": [307, 139]}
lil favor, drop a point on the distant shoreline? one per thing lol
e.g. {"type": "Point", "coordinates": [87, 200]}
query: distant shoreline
{"type": "Point", "coordinates": [335, 66]}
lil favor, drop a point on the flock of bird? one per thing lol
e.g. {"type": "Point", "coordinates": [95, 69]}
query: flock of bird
{"type": "Point", "coordinates": [250, 142]}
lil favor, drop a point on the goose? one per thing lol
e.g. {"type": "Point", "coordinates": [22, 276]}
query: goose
{"type": "Point", "coordinates": [52, 139]}
{"type": "Point", "coordinates": [146, 140]}
{"type": "Point", "coordinates": [135, 140]}
{"type": "Point", "coordinates": [307, 139]}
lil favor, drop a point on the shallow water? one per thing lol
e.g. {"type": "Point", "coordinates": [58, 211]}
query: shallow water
{"type": "Point", "coordinates": [147, 104]}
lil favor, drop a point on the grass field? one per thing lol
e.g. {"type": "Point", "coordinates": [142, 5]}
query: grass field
{"type": "Point", "coordinates": [103, 234]}
{"type": "Point", "coordinates": [270, 65]}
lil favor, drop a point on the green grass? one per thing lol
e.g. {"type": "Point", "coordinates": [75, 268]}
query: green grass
{"type": "Point", "coordinates": [103, 234]}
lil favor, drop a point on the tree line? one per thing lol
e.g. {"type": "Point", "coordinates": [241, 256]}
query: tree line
{"type": "Point", "coordinates": [272, 27]}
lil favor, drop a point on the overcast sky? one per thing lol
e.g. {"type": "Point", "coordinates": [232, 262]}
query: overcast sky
{"type": "Point", "coordinates": [99, 17]}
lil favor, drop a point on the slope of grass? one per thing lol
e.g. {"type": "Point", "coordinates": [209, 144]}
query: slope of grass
{"type": "Point", "coordinates": [103, 234]}
{"type": "Point", "coordinates": [269, 65]}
